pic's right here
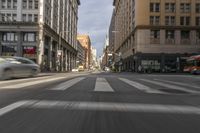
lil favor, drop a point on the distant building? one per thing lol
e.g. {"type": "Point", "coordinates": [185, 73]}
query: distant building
{"type": "Point", "coordinates": [112, 33]}
{"type": "Point", "coordinates": [86, 43]}
{"type": "Point", "coordinates": [93, 57]}
{"type": "Point", "coordinates": [80, 54]}
{"type": "Point", "coordinates": [156, 34]}
{"type": "Point", "coordinates": [42, 30]}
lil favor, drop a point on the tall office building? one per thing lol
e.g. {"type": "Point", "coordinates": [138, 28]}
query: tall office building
{"type": "Point", "coordinates": [156, 34]}
{"type": "Point", "coordinates": [42, 30]}
{"type": "Point", "coordinates": [86, 43]}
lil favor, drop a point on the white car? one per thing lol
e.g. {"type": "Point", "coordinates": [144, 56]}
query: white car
{"type": "Point", "coordinates": [15, 67]}
{"type": "Point", "coordinates": [75, 70]}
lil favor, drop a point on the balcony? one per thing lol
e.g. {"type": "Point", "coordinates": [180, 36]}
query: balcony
{"type": "Point", "coordinates": [185, 41]}
{"type": "Point", "coordinates": [155, 41]}
{"type": "Point", "coordinates": [170, 41]}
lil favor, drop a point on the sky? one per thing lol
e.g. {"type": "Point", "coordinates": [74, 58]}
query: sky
{"type": "Point", "coordinates": [94, 19]}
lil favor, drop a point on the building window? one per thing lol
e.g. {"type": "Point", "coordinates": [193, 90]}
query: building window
{"type": "Point", "coordinates": [35, 18]}
{"type": "Point", "coordinates": [10, 37]}
{"type": "Point", "coordinates": [198, 8]}
{"type": "Point", "coordinates": [170, 7]}
{"type": "Point", "coordinates": [36, 4]}
{"type": "Point", "coordinates": [198, 34]}
{"type": "Point", "coordinates": [24, 17]}
{"type": "Point", "coordinates": [154, 20]}
{"type": "Point", "coordinates": [9, 4]}
{"type": "Point", "coordinates": [185, 34]}
{"type": "Point", "coordinates": [3, 6]}
{"type": "Point", "coordinates": [29, 37]}
{"type": "Point", "coordinates": [185, 21]}
{"type": "Point", "coordinates": [30, 4]}
{"type": "Point", "coordinates": [155, 34]}
{"type": "Point", "coordinates": [170, 34]}
{"type": "Point", "coordinates": [170, 20]}
{"type": "Point", "coordinates": [29, 17]}
{"type": "Point", "coordinates": [14, 17]}
{"type": "Point", "coordinates": [185, 7]}
{"type": "Point", "coordinates": [154, 7]}
{"type": "Point", "coordinates": [3, 17]}
{"type": "Point", "coordinates": [14, 4]}
{"type": "Point", "coordinates": [9, 50]}
{"type": "Point", "coordinates": [197, 21]}
{"type": "Point", "coordinates": [24, 4]}
{"type": "Point", "coordinates": [9, 18]}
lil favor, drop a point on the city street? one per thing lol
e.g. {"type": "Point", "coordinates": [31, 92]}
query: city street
{"type": "Point", "coordinates": [100, 102]}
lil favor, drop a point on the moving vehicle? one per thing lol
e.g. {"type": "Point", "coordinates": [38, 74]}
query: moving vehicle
{"type": "Point", "coordinates": [15, 67]}
{"type": "Point", "coordinates": [193, 65]}
{"type": "Point", "coordinates": [80, 68]}
{"type": "Point", "coordinates": [75, 70]}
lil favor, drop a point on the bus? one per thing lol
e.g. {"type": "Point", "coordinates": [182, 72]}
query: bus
{"type": "Point", "coordinates": [193, 65]}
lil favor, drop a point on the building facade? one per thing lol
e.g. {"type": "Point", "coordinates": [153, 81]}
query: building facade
{"type": "Point", "coordinates": [86, 43]}
{"type": "Point", "coordinates": [156, 34]}
{"type": "Point", "coordinates": [42, 30]}
{"type": "Point", "coordinates": [80, 54]}
{"type": "Point", "coordinates": [93, 57]}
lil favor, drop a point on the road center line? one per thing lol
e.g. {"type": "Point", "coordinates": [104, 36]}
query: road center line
{"type": "Point", "coordinates": [68, 84]}
{"type": "Point", "coordinates": [102, 85]}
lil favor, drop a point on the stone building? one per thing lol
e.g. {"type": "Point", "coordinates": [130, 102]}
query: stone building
{"type": "Point", "coordinates": [156, 34]}
{"type": "Point", "coordinates": [86, 43]}
{"type": "Point", "coordinates": [42, 30]}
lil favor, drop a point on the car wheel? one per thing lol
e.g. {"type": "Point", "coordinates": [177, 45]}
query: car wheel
{"type": "Point", "coordinates": [7, 74]}
{"type": "Point", "coordinates": [33, 72]}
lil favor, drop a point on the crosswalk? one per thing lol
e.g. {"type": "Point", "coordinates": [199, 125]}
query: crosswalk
{"type": "Point", "coordinates": [102, 84]}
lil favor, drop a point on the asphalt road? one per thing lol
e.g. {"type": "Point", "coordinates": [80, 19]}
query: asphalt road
{"type": "Point", "coordinates": [99, 102]}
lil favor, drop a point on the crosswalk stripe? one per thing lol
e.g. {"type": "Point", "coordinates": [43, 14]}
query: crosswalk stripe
{"type": "Point", "coordinates": [22, 80]}
{"type": "Point", "coordinates": [21, 85]}
{"type": "Point", "coordinates": [178, 83]}
{"type": "Point", "coordinates": [169, 86]}
{"type": "Point", "coordinates": [68, 84]}
{"type": "Point", "coordinates": [140, 86]}
{"type": "Point", "coordinates": [102, 85]}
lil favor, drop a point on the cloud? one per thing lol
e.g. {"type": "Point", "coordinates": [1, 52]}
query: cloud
{"type": "Point", "coordinates": [94, 19]}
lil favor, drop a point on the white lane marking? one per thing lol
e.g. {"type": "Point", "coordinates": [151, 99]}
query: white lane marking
{"type": "Point", "coordinates": [102, 85]}
{"type": "Point", "coordinates": [140, 86]}
{"type": "Point", "coordinates": [14, 106]}
{"type": "Point", "coordinates": [112, 106]}
{"type": "Point", "coordinates": [101, 106]}
{"type": "Point", "coordinates": [179, 83]}
{"type": "Point", "coordinates": [169, 86]}
{"type": "Point", "coordinates": [68, 84]}
{"type": "Point", "coordinates": [20, 80]}
{"type": "Point", "coordinates": [21, 85]}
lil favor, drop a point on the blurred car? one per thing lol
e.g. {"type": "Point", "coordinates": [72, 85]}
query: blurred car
{"type": "Point", "coordinates": [75, 70]}
{"type": "Point", "coordinates": [15, 67]}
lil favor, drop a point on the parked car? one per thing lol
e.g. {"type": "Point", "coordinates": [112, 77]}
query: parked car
{"type": "Point", "coordinates": [15, 67]}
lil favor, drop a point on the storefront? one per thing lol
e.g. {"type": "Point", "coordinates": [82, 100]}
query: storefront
{"type": "Point", "coordinates": [159, 62]}
{"type": "Point", "coordinates": [30, 52]}
{"type": "Point", "coordinates": [9, 50]}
